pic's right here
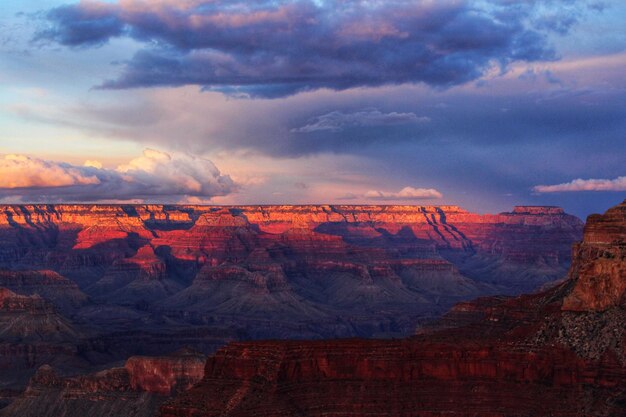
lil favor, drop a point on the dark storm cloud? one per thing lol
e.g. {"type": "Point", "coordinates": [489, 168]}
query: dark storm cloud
{"type": "Point", "coordinates": [584, 121]}
{"type": "Point", "coordinates": [274, 49]}
{"type": "Point", "coordinates": [86, 24]}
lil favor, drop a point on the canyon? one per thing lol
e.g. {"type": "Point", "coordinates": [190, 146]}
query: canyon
{"type": "Point", "coordinates": [334, 271]}
{"type": "Point", "coordinates": [86, 288]}
{"type": "Point", "coordinates": [561, 352]}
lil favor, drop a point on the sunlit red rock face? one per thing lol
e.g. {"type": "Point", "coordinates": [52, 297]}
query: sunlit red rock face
{"type": "Point", "coordinates": [126, 280]}
{"type": "Point", "coordinates": [194, 232]}
{"type": "Point", "coordinates": [289, 271]}
{"type": "Point", "coordinates": [557, 353]}
{"type": "Point", "coordinates": [600, 266]}
{"type": "Point", "coordinates": [134, 390]}
{"type": "Point", "coordinates": [122, 280]}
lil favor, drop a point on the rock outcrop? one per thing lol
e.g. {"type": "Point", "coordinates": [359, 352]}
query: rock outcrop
{"type": "Point", "coordinates": [400, 378]}
{"type": "Point", "coordinates": [135, 390]}
{"type": "Point", "coordinates": [166, 375]}
{"type": "Point", "coordinates": [31, 319]}
{"type": "Point", "coordinates": [32, 332]}
{"type": "Point", "coordinates": [557, 353]}
{"type": "Point", "coordinates": [599, 270]}
{"type": "Point", "coordinates": [60, 291]}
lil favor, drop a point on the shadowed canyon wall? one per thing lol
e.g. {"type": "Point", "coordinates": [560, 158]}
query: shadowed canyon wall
{"type": "Point", "coordinates": [557, 353]}
{"type": "Point", "coordinates": [92, 285]}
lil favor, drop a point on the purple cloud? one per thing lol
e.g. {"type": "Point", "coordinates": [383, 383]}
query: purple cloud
{"type": "Point", "coordinates": [86, 24]}
{"type": "Point", "coordinates": [336, 121]}
{"type": "Point", "coordinates": [273, 49]}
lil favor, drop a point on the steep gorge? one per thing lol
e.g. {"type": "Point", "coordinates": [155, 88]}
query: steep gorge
{"type": "Point", "coordinates": [126, 280]}
{"type": "Point", "coordinates": [561, 353]}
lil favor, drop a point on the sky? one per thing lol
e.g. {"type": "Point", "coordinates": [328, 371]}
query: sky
{"type": "Point", "coordinates": [484, 104]}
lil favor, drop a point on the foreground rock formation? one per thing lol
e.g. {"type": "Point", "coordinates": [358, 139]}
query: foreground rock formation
{"type": "Point", "coordinates": [557, 353]}
{"type": "Point", "coordinates": [134, 390]}
{"type": "Point", "coordinates": [599, 265]}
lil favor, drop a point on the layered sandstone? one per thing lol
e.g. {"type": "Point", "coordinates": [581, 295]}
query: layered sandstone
{"type": "Point", "coordinates": [126, 280]}
{"type": "Point", "coordinates": [532, 355]}
{"type": "Point", "coordinates": [365, 263]}
{"type": "Point", "coordinates": [400, 378]}
{"type": "Point", "coordinates": [165, 375]}
{"type": "Point", "coordinates": [599, 270]}
{"type": "Point", "coordinates": [135, 390]}
{"type": "Point", "coordinates": [31, 319]}
{"type": "Point", "coordinates": [448, 226]}
{"type": "Point", "coordinates": [32, 332]}
{"type": "Point", "coordinates": [62, 292]}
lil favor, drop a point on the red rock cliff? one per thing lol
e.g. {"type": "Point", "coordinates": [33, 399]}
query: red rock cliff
{"type": "Point", "coordinates": [599, 268]}
{"type": "Point", "coordinates": [532, 355]}
{"type": "Point", "coordinates": [165, 375]}
{"type": "Point", "coordinates": [285, 271]}
{"type": "Point", "coordinates": [135, 390]}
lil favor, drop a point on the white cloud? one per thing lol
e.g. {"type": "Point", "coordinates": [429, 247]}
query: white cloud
{"type": "Point", "coordinates": [336, 121]}
{"type": "Point", "coordinates": [407, 193]}
{"type": "Point", "coordinates": [617, 184]}
{"type": "Point", "coordinates": [154, 176]}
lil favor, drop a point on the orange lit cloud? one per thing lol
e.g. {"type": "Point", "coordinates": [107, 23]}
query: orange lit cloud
{"type": "Point", "coordinates": [19, 171]}
{"type": "Point", "coordinates": [154, 175]}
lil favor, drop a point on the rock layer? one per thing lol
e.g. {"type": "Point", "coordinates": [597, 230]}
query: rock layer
{"type": "Point", "coordinates": [165, 375]}
{"type": "Point", "coordinates": [532, 355]}
{"type": "Point", "coordinates": [60, 291]}
{"type": "Point", "coordinates": [107, 282]}
{"type": "Point", "coordinates": [32, 332]}
{"type": "Point", "coordinates": [135, 390]}
{"type": "Point", "coordinates": [244, 266]}
{"type": "Point", "coordinates": [600, 264]}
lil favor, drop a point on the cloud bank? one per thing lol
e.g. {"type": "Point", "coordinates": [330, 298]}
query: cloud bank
{"type": "Point", "coordinates": [155, 175]}
{"type": "Point", "coordinates": [617, 184]}
{"type": "Point", "coordinates": [407, 193]}
{"type": "Point", "coordinates": [268, 48]}
{"type": "Point", "coordinates": [19, 171]}
{"type": "Point", "coordinates": [337, 121]}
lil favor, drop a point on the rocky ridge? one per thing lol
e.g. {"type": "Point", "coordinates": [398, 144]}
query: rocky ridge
{"type": "Point", "coordinates": [600, 264]}
{"type": "Point", "coordinates": [156, 257]}
{"type": "Point", "coordinates": [556, 353]}
{"type": "Point", "coordinates": [127, 280]}
{"type": "Point", "coordinates": [134, 390]}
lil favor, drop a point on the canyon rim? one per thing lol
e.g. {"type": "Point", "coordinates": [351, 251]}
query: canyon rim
{"type": "Point", "coordinates": [312, 208]}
